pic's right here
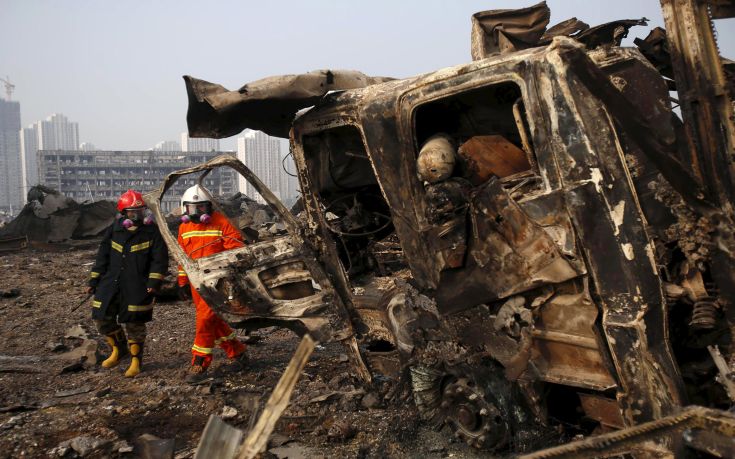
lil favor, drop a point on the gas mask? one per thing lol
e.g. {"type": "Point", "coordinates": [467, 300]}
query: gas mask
{"type": "Point", "coordinates": [197, 212]}
{"type": "Point", "coordinates": [134, 216]}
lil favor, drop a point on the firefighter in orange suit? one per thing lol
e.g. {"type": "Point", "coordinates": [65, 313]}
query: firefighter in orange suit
{"type": "Point", "coordinates": [204, 232]}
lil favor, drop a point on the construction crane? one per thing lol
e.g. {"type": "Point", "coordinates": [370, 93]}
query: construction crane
{"type": "Point", "coordinates": [8, 87]}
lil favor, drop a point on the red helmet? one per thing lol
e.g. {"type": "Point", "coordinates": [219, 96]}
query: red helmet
{"type": "Point", "coordinates": [130, 199]}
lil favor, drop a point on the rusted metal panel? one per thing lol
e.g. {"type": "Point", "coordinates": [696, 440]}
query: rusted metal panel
{"type": "Point", "coordinates": [636, 127]}
{"type": "Point", "coordinates": [506, 31]}
{"type": "Point", "coordinates": [617, 249]}
{"type": "Point", "coordinates": [566, 343]}
{"type": "Point", "coordinates": [706, 108]}
{"type": "Point", "coordinates": [492, 155]}
{"type": "Point", "coordinates": [542, 209]}
{"type": "Point", "coordinates": [633, 313]}
{"type": "Point", "coordinates": [604, 410]}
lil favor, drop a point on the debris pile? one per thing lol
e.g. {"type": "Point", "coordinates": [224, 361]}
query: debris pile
{"type": "Point", "coordinates": [256, 220]}
{"type": "Point", "coordinates": [50, 216]}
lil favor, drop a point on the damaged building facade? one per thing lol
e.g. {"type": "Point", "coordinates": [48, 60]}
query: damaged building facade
{"type": "Point", "coordinates": [561, 241]}
{"type": "Point", "coordinates": [100, 175]}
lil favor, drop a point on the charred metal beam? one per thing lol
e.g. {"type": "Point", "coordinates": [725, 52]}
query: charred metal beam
{"type": "Point", "coordinates": [705, 103]}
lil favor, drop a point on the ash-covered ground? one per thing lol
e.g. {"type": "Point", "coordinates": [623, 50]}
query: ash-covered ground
{"type": "Point", "coordinates": [56, 400]}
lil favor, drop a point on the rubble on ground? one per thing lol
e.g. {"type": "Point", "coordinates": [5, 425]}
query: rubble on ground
{"type": "Point", "coordinates": [52, 404]}
{"type": "Point", "coordinates": [49, 216]}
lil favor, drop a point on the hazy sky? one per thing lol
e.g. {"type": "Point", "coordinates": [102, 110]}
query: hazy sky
{"type": "Point", "coordinates": [116, 67]}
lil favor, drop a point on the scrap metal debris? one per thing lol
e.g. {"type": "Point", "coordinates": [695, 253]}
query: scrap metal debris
{"type": "Point", "coordinates": [257, 438]}
{"type": "Point", "coordinates": [507, 31]}
{"type": "Point", "coordinates": [688, 425]}
{"type": "Point", "coordinates": [726, 376]}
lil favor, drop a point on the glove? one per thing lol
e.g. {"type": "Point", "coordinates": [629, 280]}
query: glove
{"type": "Point", "coordinates": [184, 292]}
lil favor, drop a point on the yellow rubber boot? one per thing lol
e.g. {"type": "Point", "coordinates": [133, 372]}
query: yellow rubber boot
{"type": "Point", "coordinates": [116, 342]}
{"type": "Point", "coordinates": [136, 352]}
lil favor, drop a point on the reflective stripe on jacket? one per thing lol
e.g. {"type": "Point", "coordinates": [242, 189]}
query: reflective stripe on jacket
{"type": "Point", "coordinates": [200, 240]}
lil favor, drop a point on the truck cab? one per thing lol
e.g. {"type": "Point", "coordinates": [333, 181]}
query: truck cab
{"type": "Point", "coordinates": [542, 264]}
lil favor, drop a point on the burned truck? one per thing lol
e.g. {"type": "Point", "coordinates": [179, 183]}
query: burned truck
{"type": "Point", "coordinates": [561, 262]}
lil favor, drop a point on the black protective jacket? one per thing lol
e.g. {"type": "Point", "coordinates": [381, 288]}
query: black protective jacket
{"type": "Point", "coordinates": [127, 264]}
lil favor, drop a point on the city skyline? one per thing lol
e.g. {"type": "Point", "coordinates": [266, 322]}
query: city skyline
{"type": "Point", "coordinates": [25, 150]}
{"type": "Point", "coordinates": [109, 66]}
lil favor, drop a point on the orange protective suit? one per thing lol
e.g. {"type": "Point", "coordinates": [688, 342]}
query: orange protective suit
{"type": "Point", "coordinates": [200, 240]}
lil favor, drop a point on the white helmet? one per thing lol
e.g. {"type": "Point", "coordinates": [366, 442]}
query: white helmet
{"type": "Point", "coordinates": [194, 194]}
{"type": "Point", "coordinates": [436, 159]}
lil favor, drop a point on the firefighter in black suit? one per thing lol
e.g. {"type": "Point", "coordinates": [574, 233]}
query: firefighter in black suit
{"type": "Point", "coordinates": [131, 263]}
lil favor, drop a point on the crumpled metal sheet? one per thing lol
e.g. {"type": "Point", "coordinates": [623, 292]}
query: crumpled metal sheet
{"type": "Point", "coordinates": [508, 253]}
{"type": "Point", "coordinates": [656, 49]}
{"type": "Point", "coordinates": [506, 31]}
{"type": "Point", "coordinates": [267, 105]}
{"type": "Point", "coordinates": [565, 28]}
{"type": "Point", "coordinates": [610, 33]}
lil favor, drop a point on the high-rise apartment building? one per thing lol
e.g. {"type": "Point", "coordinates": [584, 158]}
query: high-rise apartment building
{"type": "Point", "coordinates": [188, 144]}
{"type": "Point", "coordinates": [28, 149]}
{"type": "Point", "coordinates": [262, 154]}
{"type": "Point", "coordinates": [86, 146]}
{"type": "Point", "coordinates": [11, 195]}
{"type": "Point", "coordinates": [54, 133]}
{"type": "Point", "coordinates": [167, 145]}
{"type": "Point", "coordinates": [58, 133]}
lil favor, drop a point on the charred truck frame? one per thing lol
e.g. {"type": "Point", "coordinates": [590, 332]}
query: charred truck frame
{"type": "Point", "coordinates": [573, 269]}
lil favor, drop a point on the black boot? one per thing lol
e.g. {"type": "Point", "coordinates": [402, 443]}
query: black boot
{"type": "Point", "coordinates": [198, 372]}
{"type": "Point", "coordinates": [236, 364]}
